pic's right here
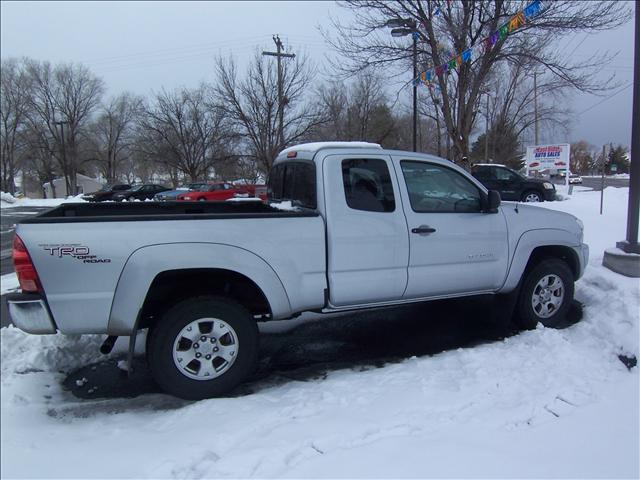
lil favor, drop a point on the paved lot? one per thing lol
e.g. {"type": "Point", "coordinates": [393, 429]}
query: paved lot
{"type": "Point", "coordinates": [596, 183]}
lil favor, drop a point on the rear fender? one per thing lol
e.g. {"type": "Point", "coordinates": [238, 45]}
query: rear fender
{"type": "Point", "coordinates": [146, 263]}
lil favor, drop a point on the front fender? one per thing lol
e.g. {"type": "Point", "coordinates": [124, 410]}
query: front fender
{"type": "Point", "coordinates": [144, 264]}
{"type": "Point", "coordinates": [529, 241]}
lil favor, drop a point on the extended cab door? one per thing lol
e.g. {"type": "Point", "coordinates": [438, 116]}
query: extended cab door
{"type": "Point", "coordinates": [455, 248]}
{"type": "Point", "coordinates": [367, 239]}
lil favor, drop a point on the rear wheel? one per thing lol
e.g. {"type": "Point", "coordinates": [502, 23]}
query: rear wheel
{"type": "Point", "coordinates": [546, 294]}
{"type": "Point", "coordinates": [531, 196]}
{"type": "Point", "coordinates": [202, 199]}
{"type": "Point", "coordinates": [203, 347]}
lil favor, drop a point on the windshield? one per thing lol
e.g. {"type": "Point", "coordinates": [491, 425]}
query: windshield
{"type": "Point", "coordinates": [136, 188]}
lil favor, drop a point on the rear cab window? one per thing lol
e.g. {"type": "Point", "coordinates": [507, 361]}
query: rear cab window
{"type": "Point", "coordinates": [367, 185]}
{"type": "Point", "coordinates": [294, 182]}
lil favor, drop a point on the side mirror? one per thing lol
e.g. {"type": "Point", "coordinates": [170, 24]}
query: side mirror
{"type": "Point", "coordinates": [492, 202]}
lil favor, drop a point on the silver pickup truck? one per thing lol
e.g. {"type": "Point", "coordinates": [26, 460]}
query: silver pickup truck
{"type": "Point", "coordinates": [366, 228]}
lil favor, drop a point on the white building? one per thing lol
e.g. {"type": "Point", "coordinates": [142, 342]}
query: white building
{"type": "Point", "coordinates": [85, 185]}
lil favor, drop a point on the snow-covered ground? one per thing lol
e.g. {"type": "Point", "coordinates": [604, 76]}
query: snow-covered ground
{"type": "Point", "coordinates": [9, 201]}
{"type": "Point", "coordinates": [543, 403]}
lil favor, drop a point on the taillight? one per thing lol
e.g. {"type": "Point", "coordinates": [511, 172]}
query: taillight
{"type": "Point", "coordinates": [26, 272]}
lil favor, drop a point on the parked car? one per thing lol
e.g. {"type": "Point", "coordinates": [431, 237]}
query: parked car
{"type": "Point", "coordinates": [173, 194]}
{"type": "Point", "coordinates": [145, 191]}
{"type": "Point", "coordinates": [575, 179]}
{"type": "Point", "coordinates": [369, 228]}
{"type": "Point", "coordinates": [106, 193]}
{"type": "Point", "coordinates": [511, 185]}
{"type": "Point", "coordinates": [220, 191]}
{"type": "Point", "coordinates": [256, 191]}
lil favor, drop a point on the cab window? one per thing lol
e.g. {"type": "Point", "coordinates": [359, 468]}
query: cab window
{"type": "Point", "coordinates": [367, 185]}
{"type": "Point", "coordinates": [293, 181]}
{"type": "Point", "coordinates": [437, 189]}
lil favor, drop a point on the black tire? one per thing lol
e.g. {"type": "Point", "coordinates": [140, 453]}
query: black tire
{"type": "Point", "coordinates": [202, 199]}
{"type": "Point", "coordinates": [163, 334]}
{"type": "Point", "coordinates": [526, 315]}
{"type": "Point", "coordinates": [526, 196]}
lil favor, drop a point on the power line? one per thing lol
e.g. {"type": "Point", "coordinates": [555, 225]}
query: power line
{"type": "Point", "coordinates": [172, 59]}
{"type": "Point", "coordinates": [605, 99]}
{"type": "Point", "coordinates": [172, 51]}
{"type": "Point", "coordinates": [577, 46]}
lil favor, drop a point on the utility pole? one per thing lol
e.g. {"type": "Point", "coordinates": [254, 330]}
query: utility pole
{"type": "Point", "coordinates": [279, 55]}
{"type": "Point", "coordinates": [625, 259]}
{"type": "Point", "coordinates": [604, 164]}
{"type": "Point", "coordinates": [486, 132]}
{"type": "Point", "coordinates": [64, 155]}
{"type": "Point", "coordinates": [415, 88]}
{"type": "Point", "coordinates": [630, 244]}
{"type": "Point", "coordinates": [535, 104]}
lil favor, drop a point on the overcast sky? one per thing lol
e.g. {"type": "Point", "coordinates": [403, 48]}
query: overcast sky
{"type": "Point", "coordinates": [144, 46]}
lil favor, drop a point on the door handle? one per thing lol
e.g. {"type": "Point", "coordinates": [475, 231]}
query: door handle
{"type": "Point", "coordinates": [423, 230]}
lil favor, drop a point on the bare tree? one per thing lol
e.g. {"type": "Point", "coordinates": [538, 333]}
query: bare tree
{"type": "Point", "coordinates": [581, 157]}
{"type": "Point", "coordinates": [65, 93]}
{"type": "Point", "coordinates": [111, 134]}
{"type": "Point", "coordinates": [14, 103]}
{"type": "Point", "coordinates": [447, 29]}
{"type": "Point", "coordinates": [187, 130]}
{"type": "Point", "coordinates": [38, 156]}
{"type": "Point", "coordinates": [359, 111]}
{"type": "Point", "coordinates": [252, 104]}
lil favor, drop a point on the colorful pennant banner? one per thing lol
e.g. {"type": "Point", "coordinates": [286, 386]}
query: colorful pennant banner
{"type": "Point", "coordinates": [515, 22]}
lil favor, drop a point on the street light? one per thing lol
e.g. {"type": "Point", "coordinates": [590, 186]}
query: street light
{"type": "Point", "coordinates": [401, 28]}
{"type": "Point", "coordinates": [486, 128]}
{"type": "Point", "coordinates": [62, 123]}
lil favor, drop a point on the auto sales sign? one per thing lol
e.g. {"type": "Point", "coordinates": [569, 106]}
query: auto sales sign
{"type": "Point", "coordinates": [548, 157]}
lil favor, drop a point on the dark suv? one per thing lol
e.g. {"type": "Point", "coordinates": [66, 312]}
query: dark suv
{"type": "Point", "coordinates": [106, 193]}
{"type": "Point", "coordinates": [140, 192]}
{"type": "Point", "coordinates": [512, 185]}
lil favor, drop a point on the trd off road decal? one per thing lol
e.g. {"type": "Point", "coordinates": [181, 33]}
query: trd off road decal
{"type": "Point", "coordinates": [74, 250]}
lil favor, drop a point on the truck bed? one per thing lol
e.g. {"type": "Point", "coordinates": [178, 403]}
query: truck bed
{"type": "Point", "coordinates": [146, 211]}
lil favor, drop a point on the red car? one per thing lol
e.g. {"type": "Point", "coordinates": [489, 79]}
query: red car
{"type": "Point", "coordinates": [214, 192]}
{"type": "Point", "coordinates": [221, 191]}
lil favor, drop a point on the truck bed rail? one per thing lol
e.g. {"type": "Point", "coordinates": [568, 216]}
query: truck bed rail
{"type": "Point", "coordinates": [154, 211]}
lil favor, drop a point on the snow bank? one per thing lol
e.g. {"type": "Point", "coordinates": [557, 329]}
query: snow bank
{"type": "Point", "coordinates": [601, 231]}
{"type": "Point", "coordinates": [9, 283]}
{"type": "Point", "coordinates": [47, 353]}
{"type": "Point", "coordinates": [544, 403]}
{"type": "Point", "coordinates": [286, 206]}
{"type": "Point", "coordinates": [7, 198]}
{"type": "Point", "coordinates": [8, 201]}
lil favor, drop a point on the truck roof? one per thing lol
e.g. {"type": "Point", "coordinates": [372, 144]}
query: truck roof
{"type": "Point", "coordinates": [314, 147]}
{"type": "Point", "coordinates": [308, 151]}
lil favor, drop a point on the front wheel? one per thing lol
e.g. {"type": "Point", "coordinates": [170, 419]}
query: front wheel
{"type": "Point", "coordinates": [203, 347]}
{"type": "Point", "coordinates": [531, 196]}
{"type": "Point", "coordinates": [546, 294]}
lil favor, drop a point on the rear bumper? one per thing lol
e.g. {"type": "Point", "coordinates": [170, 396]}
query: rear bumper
{"type": "Point", "coordinates": [29, 312]}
